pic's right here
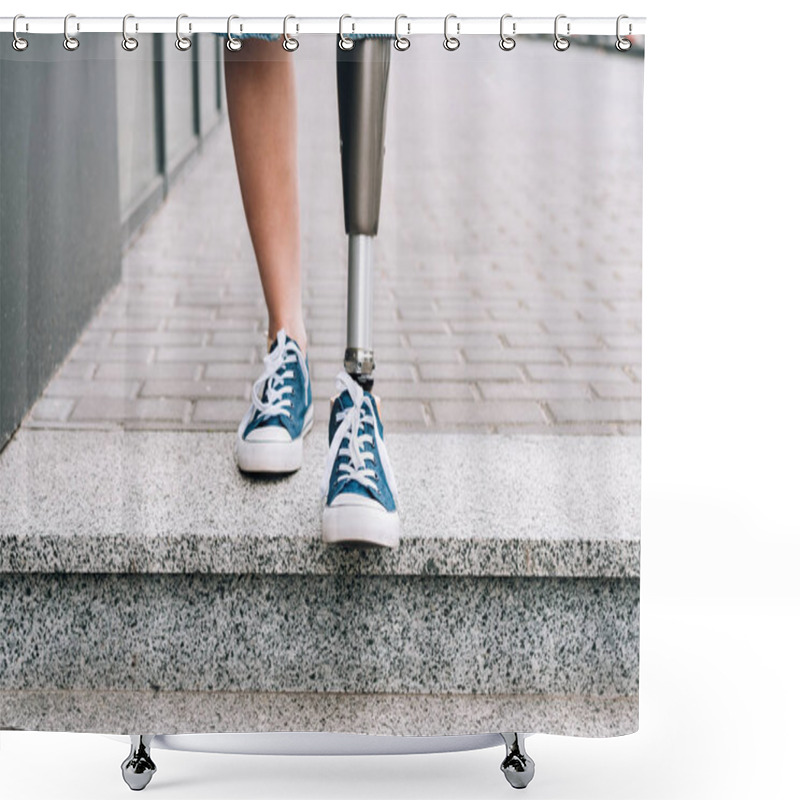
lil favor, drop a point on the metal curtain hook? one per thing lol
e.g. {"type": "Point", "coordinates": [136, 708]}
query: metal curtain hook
{"type": "Point", "coordinates": [182, 42]}
{"type": "Point", "coordinates": [507, 42]}
{"type": "Point", "coordinates": [233, 44]}
{"type": "Point", "coordinates": [70, 42]}
{"type": "Point", "coordinates": [18, 43]}
{"type": "Point", "coordinates": [560, 43]}
{"type": "Point", "coordinates": [401, 42]}
{"type": "Point", "coordinates": [345, 43]}
{"type": "Point", "coordinates": [129, 43]}
{"type": "Point", "coordinates": [451, 42]}
{"type": "Point", "coordinates": [622, 44]}
{"type": "Point", "coordinates": [289, 43]}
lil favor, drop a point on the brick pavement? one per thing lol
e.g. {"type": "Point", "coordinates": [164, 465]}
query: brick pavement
{"type": "Point", "coordinates": [508, 274]}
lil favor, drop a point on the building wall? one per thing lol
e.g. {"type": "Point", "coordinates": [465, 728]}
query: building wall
{"type": "Point", "coordinates": [89, 143]}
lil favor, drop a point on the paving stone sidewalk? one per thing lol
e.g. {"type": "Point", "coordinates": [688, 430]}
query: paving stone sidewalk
{"type": "Point", "coordinates": [508, 261]}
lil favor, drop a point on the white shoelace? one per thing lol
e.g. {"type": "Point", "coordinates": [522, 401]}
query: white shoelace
{"type": "Point", "coordinates": [351, 421]}
{"type": "Point", "coordinates": [277, 402]}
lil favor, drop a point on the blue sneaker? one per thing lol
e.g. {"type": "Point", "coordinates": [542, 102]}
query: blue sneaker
{"type": "Point", "coordinates": [358, 485]}
{"type": "Point", "coordinates": [270, 437]}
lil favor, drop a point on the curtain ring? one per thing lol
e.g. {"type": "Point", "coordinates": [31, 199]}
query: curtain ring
{"type": "Point", "coordinates": [560, 43]}
{"type": "Point", "coordinates": [129, 43]}
{"type": "Point", "coordinates": [451, 42]}
{"type": "Point", "coordinates": [401, 42]}
{"type": "Point", "coordinates": [507, 42]}
{"type": "Point", "coordinates": [18, 43]}
{"type": "Point", "coordinates": [183, 43]}
{"type": "Point", "coordinates": [290, 43]}
{"type": "Point", "coordinates": [70, 42]}
{"type": "Point", "coordinates": [345, 43]}
{"type": "Point", "coordinates": [233, 44]}
{"type": "Point", "coordinates": [622, 44]}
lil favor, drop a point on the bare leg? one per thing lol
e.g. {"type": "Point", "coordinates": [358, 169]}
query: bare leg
{"type": "Point", "coordinates": [259, 80]}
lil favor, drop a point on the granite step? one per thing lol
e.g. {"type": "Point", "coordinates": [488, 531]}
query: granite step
{"type": "Point", "coordinates": [146, 585]}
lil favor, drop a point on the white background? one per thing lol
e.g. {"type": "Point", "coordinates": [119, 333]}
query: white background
{"type": "Point", "coordinates": [720, 599]}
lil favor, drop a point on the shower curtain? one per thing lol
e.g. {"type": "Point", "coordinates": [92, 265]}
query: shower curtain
{"type": "Point", "coordinates": [403, 500]}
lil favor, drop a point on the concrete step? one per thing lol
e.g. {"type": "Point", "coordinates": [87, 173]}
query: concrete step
{"type": "Point", "coordinates": [145, 584]}
{"type": "Point", "coordinates": [481, 505]}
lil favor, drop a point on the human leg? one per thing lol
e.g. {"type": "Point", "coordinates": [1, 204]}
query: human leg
{"type": "Point", "coordinates": [260, 88]}
{"type": "Point", "coordinates": [259, 80]}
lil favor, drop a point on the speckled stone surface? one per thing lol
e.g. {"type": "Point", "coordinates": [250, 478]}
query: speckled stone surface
{"type": "Point", "coordinates": [146, 585]}
{"type": "Point", "coordinates": [165, 502]}
{"type": "Point", "coordinates": [320, 634]}
{"type": "Point", "coordinates": [125, 712]}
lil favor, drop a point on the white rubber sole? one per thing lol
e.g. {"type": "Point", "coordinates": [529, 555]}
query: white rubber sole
{"type": "Point", "coordinates": [273, 457]}
{"type": "Point", "coordinates": [360, 525]}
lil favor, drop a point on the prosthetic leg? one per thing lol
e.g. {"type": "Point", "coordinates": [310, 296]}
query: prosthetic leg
{"type": "Point", "coordinates": [364, 514]}
{"type": "Point", "coordinates": [362, 74]}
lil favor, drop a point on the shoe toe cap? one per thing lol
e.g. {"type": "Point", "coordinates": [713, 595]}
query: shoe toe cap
{"type": "Point", "coordinates": [269, 433]}
{"type": "Point", "coordinates": [353, 499]}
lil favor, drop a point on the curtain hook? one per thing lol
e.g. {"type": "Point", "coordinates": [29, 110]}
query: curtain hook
{"type": "Point", "coordinates": [70, 42]}
{"type": "Point", "coordinates": [18, 43]}
{"type": "Point", "coordinates": [129, 43]}
{"type": "Point", "coordinates": [622, 44]}
{"type": "Point", "coordinates": [560, 43]}
{"type": "Point", "coordinates": [507, 42]}
{"type": "Point", "coordinates": [401, 42]}
{"type": "Point", "coordinates": [183, 43]}
{"type": "Point", "coordinates": [233, 44]}
{"type": "Point", "coordinates": [290, 43]}
{"type": "Point", "coordinates": [345, 43]}
{"type": "Point", "coordinates": [451, 42]}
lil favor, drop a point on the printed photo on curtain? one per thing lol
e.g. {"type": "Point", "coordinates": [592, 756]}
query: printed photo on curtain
{"type": "Point", "coordinates": [320, 387]}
